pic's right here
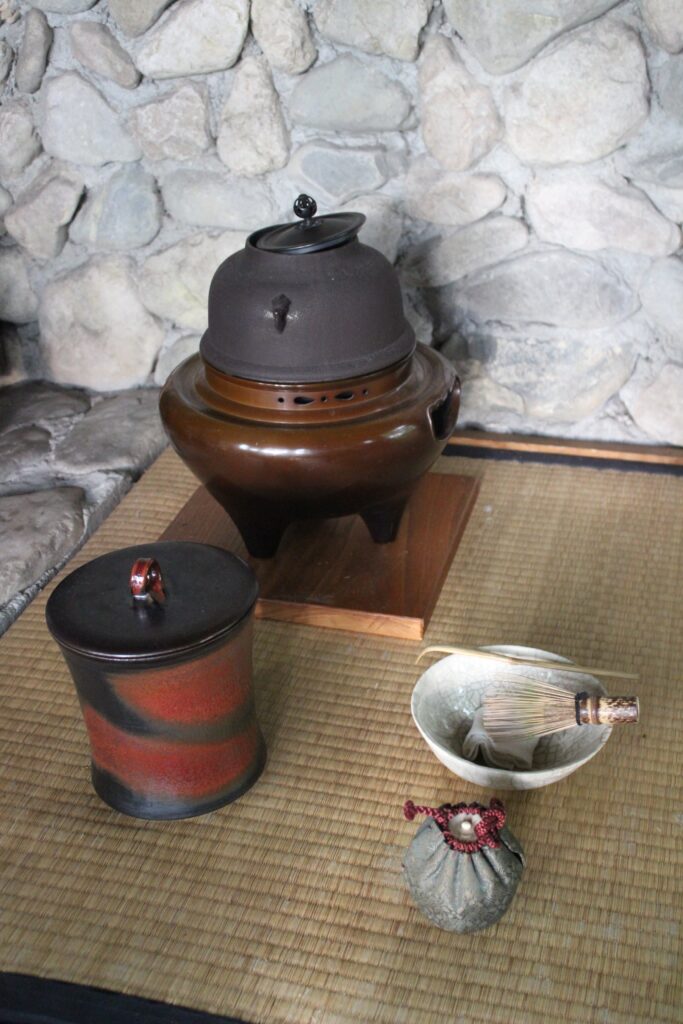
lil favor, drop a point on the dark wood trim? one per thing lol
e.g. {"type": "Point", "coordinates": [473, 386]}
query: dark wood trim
{"type": "Point", "coordinates": [661, 455]}
{"type": "Point", "coordinates": [25, 999]}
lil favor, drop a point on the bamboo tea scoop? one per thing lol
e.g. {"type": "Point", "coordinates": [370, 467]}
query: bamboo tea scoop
{"type": "Point", "coordinates": [513, 659]}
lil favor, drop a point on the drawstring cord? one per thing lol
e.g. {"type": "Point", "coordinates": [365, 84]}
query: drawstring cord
{"type": "Point", "coordinates": [486, 830]}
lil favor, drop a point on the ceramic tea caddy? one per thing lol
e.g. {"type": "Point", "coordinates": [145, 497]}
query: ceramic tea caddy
{"type": "Point", "coordinates": [309, 397]}
{"type": "Point", "coordinates": [158, 641]}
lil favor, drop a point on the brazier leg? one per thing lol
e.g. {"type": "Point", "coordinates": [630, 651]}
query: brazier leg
{"type": "Point", "coordinates": [383, 521]}
{"type": "Point", "coordinates": [261, 535]}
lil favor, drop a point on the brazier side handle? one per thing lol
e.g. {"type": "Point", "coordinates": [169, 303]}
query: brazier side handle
{"type": "Point", "coordinates": [443, 416]}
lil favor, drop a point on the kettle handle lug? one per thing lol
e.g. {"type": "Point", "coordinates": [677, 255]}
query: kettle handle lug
{"type": "Point", "coordinates": [280, 310]}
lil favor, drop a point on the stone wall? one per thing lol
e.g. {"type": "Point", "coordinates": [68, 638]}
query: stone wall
{"type": "Point", "coordinates": [524, 169]}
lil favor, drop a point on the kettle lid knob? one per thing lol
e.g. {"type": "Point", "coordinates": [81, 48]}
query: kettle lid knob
{"type": "Point", "coordinates": [305, 207]}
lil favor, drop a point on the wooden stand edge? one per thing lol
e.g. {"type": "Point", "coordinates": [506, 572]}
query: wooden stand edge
{"type": "Point", "coordinates": [331, 574]}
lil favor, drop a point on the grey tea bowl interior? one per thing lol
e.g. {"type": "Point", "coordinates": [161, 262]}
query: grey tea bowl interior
{"type": "Point", "coordinates": [446, 697]}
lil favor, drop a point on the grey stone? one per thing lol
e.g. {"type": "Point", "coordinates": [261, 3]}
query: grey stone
{"type": "Point", "coordinates": [483, 401]}
{"type": "Point", "coordinates": [347, 95]}
{"type": "Point", "coordinates": [253, 138]}
{"type": "Point", "coordinates": [553, 115]}
{"type": "Point", "coordinates": [443, 260]}
{"type": "Point", "coordinates": [669, 86]}
{"type": "Point", "coordinates": [24, 457]}
{"type": "Point", "coordinates": [63, 6]}
{"type": "Point", "coordinates": [451, 198]}
{"type": "Point", "coordinates": [661, 294]}
{"type": "Point", "coordinates": [457, 350]}
{"type": "Point", "coordinates": [505, 36]}
{"type": "Point", "coordinates": [38, 530]}
{"type": "Point", "coordinates": [18, 301]}
{"type": "Point", "coordinates": [125, 213]}
{"type": "Point", "coordinates": [195, 38]}
{"type": "Point", "coordinates": [664, 168]}
{"type": "Point", "coordinates": [175, 354]}
{"type": "Point", "coordinates": [104, 492]}
{"type": "Point", "coordinates": [668, 200]}
{"type": "Point", "coordinates": [135, 16]}
{"type": "Point", "coordinates": [6, 57]}
{"type": "Point", "coordinates": [391, 27]}
{"type": "Point", "coordinates": [39, 218]}
{"type": "Point", "coordinates": [559, 288]}
{"type": "Point", "coordinates": [339, 173]}
{"type": "Point", "coordinates": [561, 379]}
{"type": "Point", "coordinates": [418, 316]}
{"type": "Point", "coordinates": [577, 210]}
{"type": "Point", "coordinates": [209, 199]}
{"type": "Point", "coordinates": [95, 332]}
{"type": "Point", "coordinates": [96, 48]}
{"type": "Point", "coordinates": [5, 202]}
{"type": "Point", "coordinates": [175, 282]}
{"type": "Point", "coordinates": [80, 126]}
{"type": "Point", "coordinates": [119, 433]}
{"type": "Point", "coordinates": [281, 30]}
{"type": "Point", "coordinates": [383, 225]}
{"type": "Point", "coordinates": [175, 127]}
{"type": "Point", "coordinates": [658, 409]}
{"type": "Point", "coordinates": [9, 12]}
{"type": "Point", "coordinates": [664, 19]}
{"type": "Point", "coordinates": [33, 52]}
{"type": "Point", "coordinates": [37, 402]}
{"type": "Point", "coordinates": [19, 144]}
{"type": "Point", "coordinates": [460, 123]}
{"type": "Point", "coordinates": [12, 361]}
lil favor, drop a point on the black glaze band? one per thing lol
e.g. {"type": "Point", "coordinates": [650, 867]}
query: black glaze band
{"type": "Point", "coordinates": [123, 799]}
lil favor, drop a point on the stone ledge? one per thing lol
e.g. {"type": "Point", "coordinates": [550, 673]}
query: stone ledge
{"type": "Point", "coordinates": [69, 458]}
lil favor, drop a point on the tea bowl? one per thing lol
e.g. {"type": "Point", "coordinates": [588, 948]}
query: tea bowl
{"type": "Point", "coordinates": [447, 695]}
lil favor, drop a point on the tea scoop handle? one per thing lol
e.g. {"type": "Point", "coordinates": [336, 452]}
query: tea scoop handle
{"type": "Point", "coordinates": [146, 582]}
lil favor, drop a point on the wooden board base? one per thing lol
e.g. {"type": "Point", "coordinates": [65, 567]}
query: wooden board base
{"type": "Point", "coordinates": [330, 573]}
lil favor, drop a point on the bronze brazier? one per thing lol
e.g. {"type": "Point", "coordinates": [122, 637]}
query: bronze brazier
{"type": "Point", "coordinates": [309, 397]}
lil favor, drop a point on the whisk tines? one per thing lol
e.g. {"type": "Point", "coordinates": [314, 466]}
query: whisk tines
{"type": "Point", "coordinates": [526, 707]}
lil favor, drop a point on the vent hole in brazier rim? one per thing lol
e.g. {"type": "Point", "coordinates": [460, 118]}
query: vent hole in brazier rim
{"type": "Point", "coordinates": [303, 400]}
{"type": "Point", "coordinates": [344, 396]}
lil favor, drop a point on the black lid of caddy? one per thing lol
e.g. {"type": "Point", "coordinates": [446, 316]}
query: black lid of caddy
{"type": "Point", "coordinates": [151, 600]}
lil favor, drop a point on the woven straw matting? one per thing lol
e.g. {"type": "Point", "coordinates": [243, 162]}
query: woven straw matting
{"type": "Point", "coordinates": [289, 905]}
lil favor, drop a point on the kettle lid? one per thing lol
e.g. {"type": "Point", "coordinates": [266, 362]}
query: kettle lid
{"type": "Point", "coordinates": [310, 233]}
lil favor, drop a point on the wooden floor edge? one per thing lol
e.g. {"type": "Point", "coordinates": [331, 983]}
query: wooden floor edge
{"type": "Point", "coordinates": [662, 455]}
{"type": "Point", "coordinates": [399, 627]}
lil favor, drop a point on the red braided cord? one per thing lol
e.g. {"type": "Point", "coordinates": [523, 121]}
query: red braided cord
{"type": "Point", "coordinates": [486, 830]}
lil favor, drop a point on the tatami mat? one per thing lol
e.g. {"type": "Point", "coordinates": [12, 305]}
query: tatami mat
{"type": "Point", "coordinates": [289, 905]}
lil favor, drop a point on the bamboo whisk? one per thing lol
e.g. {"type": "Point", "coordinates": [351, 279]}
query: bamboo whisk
{"type": "Point", "coordinates": [529, 708]}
